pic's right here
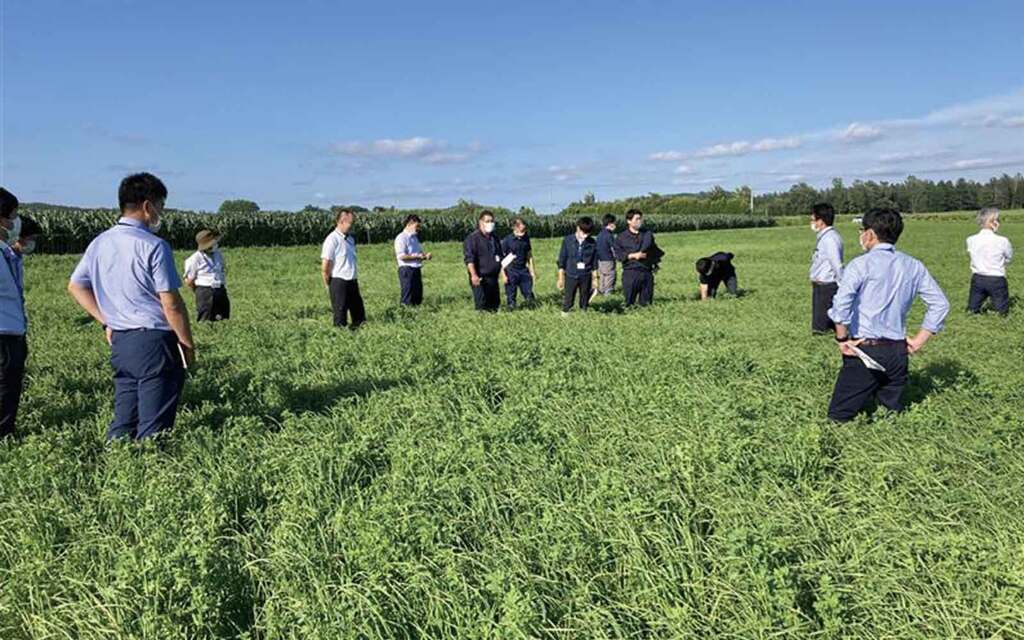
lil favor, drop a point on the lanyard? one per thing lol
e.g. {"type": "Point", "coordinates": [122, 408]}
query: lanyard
{"type": "Point", "coordinates": [16, 274]}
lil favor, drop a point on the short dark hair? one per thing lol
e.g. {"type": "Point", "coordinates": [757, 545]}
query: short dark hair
{"type": "Point", "coordinates": [8, 203]}
{"type": "Point", "coordinates": [340, 211]}
{"type": "Point", "coordinates": [138, 188]}
{"type": "Point", "coordinates": [516, 221]}
{"type": "Point", "coordinates": [632, 213]}
{"type": "Point", "coordinates": [585, 224]}
{"type": "Point", "coordinates": [704, 266]}
{"type": "Point", "coordinates": [885, 222]}
{"type": "Point", "coordinates": [412, 217]}
{"type": "Point", "coordinates": [29, 227]}
{"type": "Point", "coordinates": [823, 211]}
{"type": "Point", "coordinates": [484, 214]}
{"type": "Point", "coordinates": [607, 219]}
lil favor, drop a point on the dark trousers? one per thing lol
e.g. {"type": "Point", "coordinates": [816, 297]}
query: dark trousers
{"type": "Point", "coordinates": [821, 301]}
{"type": "Point", "coordinates": [994, 287]}
{"type": "Point", "coordinates": [487, 297]}
{"type": "Point", "coordinates": [730, 286]}
{"type": "Point", "coordinates": [13, 353]}
{"type": "Point", "coordinates": [148, 380]}
{"type": "Point", "coordinates": [638, 286]}
{"type": "Point", "coordinates": [410, 280]}
{"type": "Point", "coordinates": [519, 280]}
{"type": "Point", "coordinates": [347, 302]}
{"type": "Point", "coordinates": [582, 283]}
{"type": "Point", "coordinates": [857, 385]}
{"type": "Point", "coordinates": [212, 303]}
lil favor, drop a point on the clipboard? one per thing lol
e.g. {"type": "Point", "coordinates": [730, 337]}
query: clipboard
{"type": "Point", "coordinates": [507, 260]}
{"type": "Point", "coordinates": [184, 360]}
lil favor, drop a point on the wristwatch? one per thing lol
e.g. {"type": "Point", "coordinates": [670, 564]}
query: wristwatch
{"type": "Point", "coordinates": [845, 338]}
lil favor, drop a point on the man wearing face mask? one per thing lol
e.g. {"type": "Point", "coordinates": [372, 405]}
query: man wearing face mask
{"type": "Point", "coordinates": [870, 313]}
{"type": "Point", "coordinates": [483, 254]}
{"type": "Point", "coordinates": [636, 250]}
{"type": "Point", "coordinates": [519, 274]}
{"type": "Point", "coordinates": [13, 321]}
{"type": "Point", "coordinates": [126, 280]}
{"type": "Point", "coordinates": [205, 274]}
{"type": "Point", "coordinates": [27, 240]}
{"type": "Point", "coordinates": [826, 266]}
{"type": "Point", "coordinates": [990, 253]}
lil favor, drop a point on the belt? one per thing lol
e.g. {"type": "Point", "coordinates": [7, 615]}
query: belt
{"type": "Point", "coordinates": [209, 286]}
{"type": "Point", "coordinates": [822, 284]}
{"type": "Point", "coordinates": [881, 342]}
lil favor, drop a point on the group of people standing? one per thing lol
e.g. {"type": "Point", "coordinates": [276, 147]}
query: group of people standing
{"type": "Point", "coordinates": [865, 304]}
{"type": "Point", "coordinates": [127, 281]}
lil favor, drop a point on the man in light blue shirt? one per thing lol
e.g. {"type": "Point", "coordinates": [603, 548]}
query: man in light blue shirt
{"type": "Point", "coordinates": [826, 266]}
{"type": "Point", "coordinates": [13, 322]}
{"type": "Point", "coordinates": [870, 312]}
{"type": "Point", "coordinates": [410, 256]}
{"type": "Point", "coordinates": [127, 281]}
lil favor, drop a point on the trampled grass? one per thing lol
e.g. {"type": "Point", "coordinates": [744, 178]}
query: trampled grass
{"type": "Point", "coordinates": [664, 473]}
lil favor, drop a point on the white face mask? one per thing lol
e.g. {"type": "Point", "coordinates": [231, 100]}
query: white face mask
{"type": "Point", "coordinates": [15, 231]}
{"type": "Point", "coordinates": [489, 227]}
{"type": "Point", "coordinates": [814, 227]}
{"type": "Point", "coordinates": [29, 246]}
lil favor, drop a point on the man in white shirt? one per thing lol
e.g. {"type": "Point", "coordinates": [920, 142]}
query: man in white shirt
{"type": "Point", "coordinates": [205, 274]}
{"type": "Point", "coordinates": [410, 255]}
{"type": "Point", "coordinates": [339, 271]}
{"type": "Point", "coordinates": [990, 253]}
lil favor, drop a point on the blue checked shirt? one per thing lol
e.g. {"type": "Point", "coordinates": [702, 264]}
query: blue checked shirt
{"type": "Point", "coordinates": [877, 290]}
{"type": "Point", "coordinates": [827, 261]}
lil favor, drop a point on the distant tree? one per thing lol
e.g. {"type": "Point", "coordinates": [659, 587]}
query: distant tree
{"type": "Point", "coordinates": [238, 206]}
{"type": "Point", "coordinates": [589, 198]}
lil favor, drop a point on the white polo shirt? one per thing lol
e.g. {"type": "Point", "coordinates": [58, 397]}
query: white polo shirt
{"type": "Point", "coordinates": [990, 253]}
{"type": "Point", "coordinates": [207, 269]}
{"type": "Point", "coordinates": [341, 250]}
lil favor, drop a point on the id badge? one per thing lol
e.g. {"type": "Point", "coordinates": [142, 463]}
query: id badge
{"type": "Point", "coordinates": [581, 266]}
{"type": "Point", "coordinates": [497, 259]}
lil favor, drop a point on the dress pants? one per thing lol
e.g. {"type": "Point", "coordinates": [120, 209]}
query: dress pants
{"type": "Point", "coordinates": [856, 384]}
{"type": "Point", "coordinates": [487, 296]}
{"type": "Point", "coordinates": [638, 286]}
{"type": "Point", "coordinates": [410, 280]}
{"type": "Point", "coordinates": [13, 353]}
{"type": "Point", "coordinates": [347, 302]}
{"type": "Point", "coordinates": [994, 287]}
{"type": "Point", "coordinates": [519, 280]}
{"type": "Point", "coordinates": [212, 303]}
{"type": "Point", "coordinates": [148, 380]}
{"type": "Point", "coordinates": [583, 284]}
{"type": "Point", "coordinates": [821, 301]}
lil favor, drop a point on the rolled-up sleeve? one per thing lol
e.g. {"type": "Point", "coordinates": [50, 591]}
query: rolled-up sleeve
{"type": "Point", "coordinates": [937, 306]}
{"type": "Point", "coordinates": [842, 303]}
{"type": "Point", "coordinates": [469, 251]}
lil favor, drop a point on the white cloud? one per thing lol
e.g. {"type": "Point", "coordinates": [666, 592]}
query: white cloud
{"type": "Point", "coordinates": [668, 156]}
{"type": "Point", "coordinates": [975, 163]}
{"type": "Point", "coordinates": [426, 150]}
{"type": "Point", "coordinates": [684, 169]}
{"type": "Point", "coordinates": [563, 173]}
{"type": "Point", "coordinates": [774, 144]}
{"type": "Point", "coordinates": [900, 157]}
{"type": "Point", "coordinates": [858, 132]}
{"type": "Point", "coordinates": [739, 148]}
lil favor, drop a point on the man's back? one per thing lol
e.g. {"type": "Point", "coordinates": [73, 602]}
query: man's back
{"type": "Point", "coordinates": [989, 253]}
{"type": "Point", "coordinates": [127, 267]}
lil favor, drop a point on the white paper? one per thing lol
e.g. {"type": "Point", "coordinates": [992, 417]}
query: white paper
{"type": "Point", "coordinates": [181, 352]}
{"type": "Point", "coordinates": [868, 361]}
{"type": "Point", "coordinates": [508, 260]}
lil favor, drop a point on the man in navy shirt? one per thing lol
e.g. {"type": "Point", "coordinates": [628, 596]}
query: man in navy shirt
{"type": "Point", "coordinates": [519, 273]}
{"type": "Point", "coordinates": [127, 281]}
{"type": "Point", "coordinates": [13, 321]}
{"type": "Point", "coordinates": [482, 254]}
{"type": "Point", "coordinates": [606, 269]}
{"type": "Point", "coordinates": [712, 271]}
{"type": "Point", "coordinates": [636, 250]}
{"type": "Point", "coordinates": [577, 265]}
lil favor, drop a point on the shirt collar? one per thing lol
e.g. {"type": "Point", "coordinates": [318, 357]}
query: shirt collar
{"type": "Point", "coordinates": [987, 230]}
{"type": "Point", "coordinates": [132, 222]}
{"type": "Point", "coordinates": [822, 232]}
{"type": "Point", "coordinates": [883, 246]}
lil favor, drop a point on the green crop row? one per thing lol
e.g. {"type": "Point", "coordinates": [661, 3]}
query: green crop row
{"type": "Point", "coordinates": [69, 230]}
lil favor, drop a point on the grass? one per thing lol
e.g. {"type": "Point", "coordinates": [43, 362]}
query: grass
{"type": "Point", "coordinates": [663, 473]}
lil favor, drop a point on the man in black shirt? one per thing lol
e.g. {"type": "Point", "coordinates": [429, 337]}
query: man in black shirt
{"type": "Point", "coordinates": [713, 271]}
{"type": "Point", "coordinates": [518, 274]}
{"type": "Point", "coordinates": [636, 250]}
{"type": "Point", "coordinates": [483, 254]}
{"type": "Point", "coordinates": [577, 265]}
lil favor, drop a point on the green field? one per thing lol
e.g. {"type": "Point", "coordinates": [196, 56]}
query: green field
{"type": "Point", "coordinates": [661, 473]}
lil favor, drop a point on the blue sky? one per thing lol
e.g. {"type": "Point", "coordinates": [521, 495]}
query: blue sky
{"type": "Point", "coordinates": [515, 103]}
